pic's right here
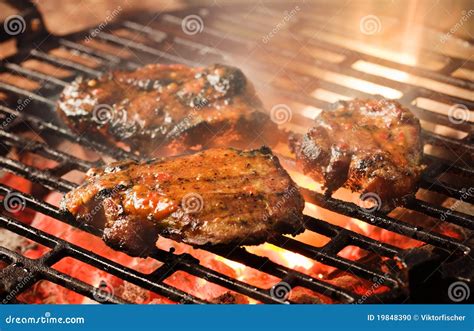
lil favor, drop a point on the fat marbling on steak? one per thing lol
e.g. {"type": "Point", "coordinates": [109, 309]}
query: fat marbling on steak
{"type": "Point", "coordinates": [218, 196]}
{"type": "Point", "coordinates": [365, 145]}
{"type": "Point", "coordinates": [167, 106]}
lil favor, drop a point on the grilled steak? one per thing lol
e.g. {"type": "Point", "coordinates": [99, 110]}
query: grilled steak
{"type": "Point", "coordinates": [365, 145]}
{"type": "Point", "coordinates": [218, 196]}
{"type": "Point", "coordinates": [167, 105]}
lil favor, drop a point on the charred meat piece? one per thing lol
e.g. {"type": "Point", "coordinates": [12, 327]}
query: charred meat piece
{"type": "Point", "coordinates": [167, 105]}
{"type": "Point", "coordinates": [218, 196]}
{"type": "Point", "coordinates": [230, 298]}
{"type": "Point", "coordinates": [365, 145]}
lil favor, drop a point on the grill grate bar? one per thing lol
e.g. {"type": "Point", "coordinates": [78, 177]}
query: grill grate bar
{"type": "Point", "coordinates": [116, 153]}
{"type": "Point", "coordinates": [307, 100]}
{"type": "Point", "coordinates": [383, 221]}
{"type": "Point", "coordinates": [445, 214]}
{"type": "Point", "coordinates": [352, 54]}
{"type": "Point", "coordinates": [34, 75]}
{"type": "Point", "coordinates": [96, 261]}
{"type": "Point", "coordinates": [455, 168]}
{"type": "Point", "coordinates": [112, 59]}
{"type": "Point", "coordinates": [284, 46]}
{"type": "Point", "coordinates": [36, 175]}
{"type": "Point", "coordinates": [340, 237]}
{"type": "Point", "coordinates": [145, 49]}
{"type": "Point", "coordinates": [176, 262]}
{"type": "Point", "coordinates": [462, 145]}
{"type": "Point", "coordinates": [322, 256]}
{"type": "Point", "coordinates": [419, 205]}
{"type": "Point", "coordinates": [115, 62]}
{"type": "Point", "coordinates": [154, 34]}
{"type": "Point", "coordinates": [49, 274]}
{"type": "Point", "coordinates": [277, 270]}
{"type": "Point", "coordinates": [308, 21]}
{"type": "Point", "coordinates": [209, 30]}
{"type": "Point", "coordinates": [25, 94]}
{"type": "Point", "coordinates": [413, 90]}
{"type": "Point", "coordinates": [348, 71]}
{"type": "Point", "coordinates": [457, 192]}
{"type": "Point", "coordinates": [332, 231]}
{"type": "Point", "coordinates": [78, 68]}
{"type": "Point", "coordinates": [438, 119]}
{"type": "Point", "coordinates": [191, 267]}
{"type": "Point", "coordinates": [44, 150]}
{"type": "Point", "coordinates": [289, 275]}
{"type": "Point", "coordinates": [64, 186]}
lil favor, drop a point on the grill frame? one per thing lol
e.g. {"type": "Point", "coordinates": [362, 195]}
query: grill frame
{"type": "Point", "coordinates": [340, 237]}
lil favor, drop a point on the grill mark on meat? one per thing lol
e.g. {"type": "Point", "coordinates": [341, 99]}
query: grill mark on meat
{"type": "Point", "coordinates": [247, 197]}
{"type": "Point", "coordinates": [365, 145]}
{"type": "Point", "coordinates": [167, 106]}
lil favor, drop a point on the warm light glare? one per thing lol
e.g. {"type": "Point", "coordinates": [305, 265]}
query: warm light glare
{"type": "Point", "coordinates": [310, 112]}
{"type": "Point", "coordinates": [328, 96]}
{"type": "Point", "coordinates": [287, 258]}
{"type": "Point", "coordinates": [403, 77]}
{"type": "Point", "coordinates": [239, 268]}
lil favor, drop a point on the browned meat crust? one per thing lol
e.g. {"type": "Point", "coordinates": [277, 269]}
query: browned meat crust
{"type": "Point", "coordinates": [365, 145]}
{"type": "Point", "coordinates": [218, 196]}
{"type": "Point", "coordinates": [230, 298]}
{"type": "Point", "coordinates": [167, 105]}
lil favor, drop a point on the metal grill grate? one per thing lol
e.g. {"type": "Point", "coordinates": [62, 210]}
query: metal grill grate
{"type": "Point", "coordinates": [161, 39]}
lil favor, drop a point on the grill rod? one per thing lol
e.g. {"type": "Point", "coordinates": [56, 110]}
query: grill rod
{"type": "Point", "coordinates": [142, 49]}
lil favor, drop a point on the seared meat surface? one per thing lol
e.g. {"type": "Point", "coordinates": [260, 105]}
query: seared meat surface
{"type": "Point", "coordinates": [218, 196]}
{"type": "Point", "coordinates": [365, 145]}
{"type": "Point", "coordinates": [167, 105]}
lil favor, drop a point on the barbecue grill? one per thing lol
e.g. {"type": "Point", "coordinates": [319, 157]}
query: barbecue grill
{"type": "Point", "coordinates": [295, 57]}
